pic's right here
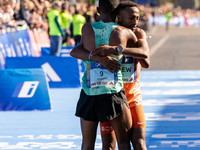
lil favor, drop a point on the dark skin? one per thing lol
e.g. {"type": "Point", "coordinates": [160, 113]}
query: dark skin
{"type": "Point", "coordinates": [101, 54]}
{"type": "Point", "coordinates": [129, 17]}
{"type": "Point", "coordinates": [141, 52]}
{"type": "Point", "coordinates": [123, 123]}
{"type": "Point", "coordinates": [107, 61]}
{"type": "Point", "coordinates": [131, 22]}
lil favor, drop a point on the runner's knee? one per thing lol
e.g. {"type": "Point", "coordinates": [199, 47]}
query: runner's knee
{"type": "Point", "coordinates": [124, 146]}
{"type": "Point", "coordinates": [139, 144]}
{"type": "Point", "coordinates": [86, 146]}
{"type": "Point", "coordinates": [109, 146]}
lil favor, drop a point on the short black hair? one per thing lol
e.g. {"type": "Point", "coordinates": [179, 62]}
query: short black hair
{"type": "Point", "coordinates": [108, 6]}
{"type": "Point", "coordinates": [122, 5]}
{"type": "Point", "coordinates": [63, 7]}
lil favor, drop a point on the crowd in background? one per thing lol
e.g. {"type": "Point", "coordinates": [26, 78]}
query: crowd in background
{"type": "Point", "coordinates": [178, 13]}
{"type": "Point", "coordinates": [32, 14]}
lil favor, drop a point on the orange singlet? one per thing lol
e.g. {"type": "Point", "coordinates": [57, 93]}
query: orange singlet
{"type": "Point", "coordinates": [131, 77]}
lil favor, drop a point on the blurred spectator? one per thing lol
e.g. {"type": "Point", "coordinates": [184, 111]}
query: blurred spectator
{"type": "Point", "coordinates": [32, 14]}
{"type": "Point", "coordinates": [71, 42]}
{"type": "Point", "coordinates": [66, 19]}
{"type": "Point", "coordinates": [39, 15]}
{"type": "Point", "coordinates": [24, 13]}
{"type": "Point", "coordinates": [153, 15]}
{"type": "Point", "coordinates": [90, 13]}
{"type": "Point", "coordinates": [78, 22]}
{"type": "Point", "coordinates": [46, 7]}
{"type": "Point", "coordinates": [14, 5]}
{"type": "Point", "coordinates": [96, 14]}
{"type": "Point", "coordinates": [37, 4]}
{"type": "Point", "coordinates": [168, 16]}
{"type": "Point", "coordinates": [186, 16]}
{"type": "Point", "coordinates": [1, 24]}
{"type": "Point", "coordinates": [87, 14]}
{"type": "Point", "coordinates": [72, 10]}
{"type": "Point", "coordinates": [56, 33]}
{"type": "Point", "coordinates": [7, 16]}
{"type": "Point", "coordinates": [143, 22]}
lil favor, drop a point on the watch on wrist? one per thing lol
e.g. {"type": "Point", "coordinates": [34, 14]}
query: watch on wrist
{"type": "Point", "coordinates": [120, 49]}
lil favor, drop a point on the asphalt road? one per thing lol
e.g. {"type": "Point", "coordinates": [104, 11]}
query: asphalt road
{"type": "Point", "coordinates": [175, 49]}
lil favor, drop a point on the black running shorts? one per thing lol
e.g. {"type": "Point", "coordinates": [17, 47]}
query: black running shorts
{"type": "Point", "coordinates": [100, 107]}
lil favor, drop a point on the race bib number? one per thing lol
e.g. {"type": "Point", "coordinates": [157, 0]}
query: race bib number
{"type": "Point", "coordinates": [129, 69]}
{"type": "Point", "coordinates": [98, 75]}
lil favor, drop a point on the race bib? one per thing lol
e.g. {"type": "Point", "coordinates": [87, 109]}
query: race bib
{"type": "Point", "coordinates": [98, 75]}
{"type": "Point", "coordinates": [129, 69]}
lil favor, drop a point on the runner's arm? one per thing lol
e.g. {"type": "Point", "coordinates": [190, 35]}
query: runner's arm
{"type": "Point", "coordinates": [135, 49]}
{"type": "Point", "coordinates": [80, 52]}
{"type": "Point", "coordinates": [143, 44]}
{"type": "Point", "coordinates": [132, 50]}
{"type": "Point", "coordinates": [109, 62]}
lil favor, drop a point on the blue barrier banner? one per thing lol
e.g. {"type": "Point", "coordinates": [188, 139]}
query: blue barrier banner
{"type": "Point", "coordinates": [24, 89]}
{"type": "Point", "coordinates": [45, 51]}
{"type": "Point", "coordinates": [23, 41]}
{"type": "Point", "coordinates": [65, 51]}
{"type": "Point", "coordinates": [2, 61]}
{"type": "Point", "coordinates": [17, 47]}
{"type": "Point", "coordinates": [7, 45]}
{"type": "Point", "coordinates": [11, 44]}
{"type": "Point", "coordinates": [61, 72]}
{"type": "Point", "coordinates": [4, 46]}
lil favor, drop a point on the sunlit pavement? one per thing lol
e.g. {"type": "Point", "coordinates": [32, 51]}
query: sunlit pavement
{"type": "Point", "coordinates": [171, 101]}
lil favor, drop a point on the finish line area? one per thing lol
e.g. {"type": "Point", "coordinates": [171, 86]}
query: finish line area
{"type": "Point", "coordinates": [171, 101]}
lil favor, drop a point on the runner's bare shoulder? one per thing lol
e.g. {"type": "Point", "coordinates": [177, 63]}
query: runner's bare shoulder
{"type": "Point", "coordinates": [88, 37]}
{"type": "Point", "coordinates": [140, 33]}
{"type": "Point", "coordinates": [119, 36]}
{"type": "Point", "coordinates": [87, 28]}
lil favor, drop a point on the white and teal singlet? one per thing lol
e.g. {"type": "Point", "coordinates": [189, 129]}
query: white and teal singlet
{"type": "Point", "coordinates": [97, 79]}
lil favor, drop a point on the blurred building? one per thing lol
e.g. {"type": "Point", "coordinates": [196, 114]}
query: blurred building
{"type": "Point", "coordinates": [183, 3]}
{"type": "Point", "coordinates": [151, 2]}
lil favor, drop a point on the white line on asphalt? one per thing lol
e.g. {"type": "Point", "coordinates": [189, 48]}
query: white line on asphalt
{"type": "Point", "coordinates": [171, 92]}
{"type": "Point", "coordinates": [177, 135]}
{"type": "Point", "coordinates": [170, 84]}
{"type": "Point", "coordinates": [159, 44]}
{"type": "Point", "coordinates": [153, 30]}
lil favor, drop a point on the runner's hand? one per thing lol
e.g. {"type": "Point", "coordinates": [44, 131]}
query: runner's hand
{"type": "Point", "coordinates": [105, 50]}
{"type": "Point", "coordinates": [110, 63]}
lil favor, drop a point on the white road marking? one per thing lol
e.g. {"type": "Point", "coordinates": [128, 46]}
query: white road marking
{"type": "Point", "coordinates": [158, 44]}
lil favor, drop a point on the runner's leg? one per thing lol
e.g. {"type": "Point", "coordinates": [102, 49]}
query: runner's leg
{"type": "Point", "coordinates": [139, 127]}
{"type": "Point", "coordinates": [108, 139]}
{"type": "Point", "coordinates": [123, 128]}
{"type": "Point", "coordinates": [89, 129]}
{"type": "Point", "coordinates": [138, 139]}
{"type": "Point", "coordinates": [108, 136]}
